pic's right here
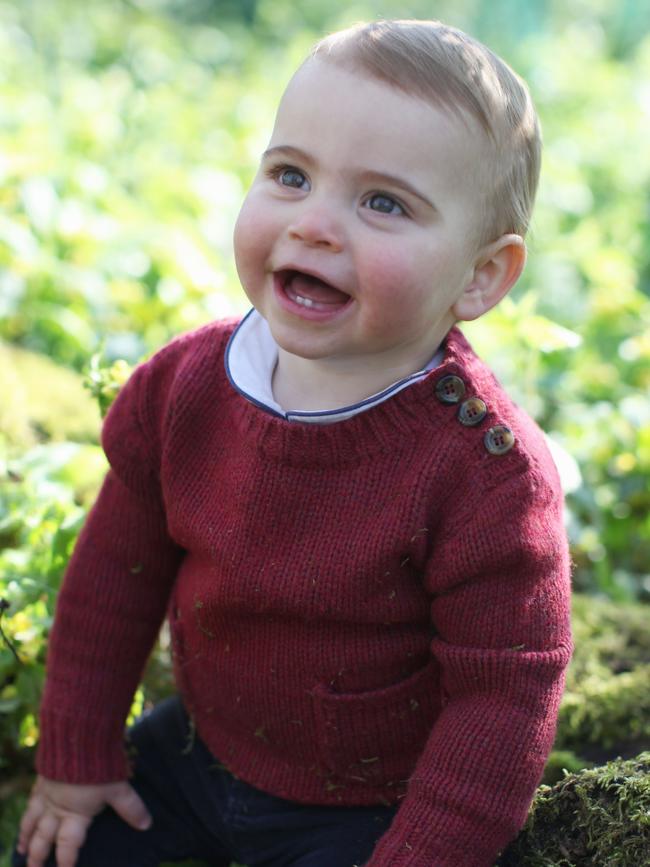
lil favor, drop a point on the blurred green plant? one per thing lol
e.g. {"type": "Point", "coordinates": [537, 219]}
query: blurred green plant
{"type": "Point", "coordinates": [605, 710]}
{"type": "Point", "coordinates": [128, 135]}
{"type": "Point", "coordinates": [42, 400]}
{"type": "Point", "coordinates": [104, 381]}
{"type": "Point", "coordinates": [39, 521]}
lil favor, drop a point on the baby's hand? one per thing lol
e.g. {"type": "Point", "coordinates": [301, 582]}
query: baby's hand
{"type": "Point", "coordinates": [60, 813]}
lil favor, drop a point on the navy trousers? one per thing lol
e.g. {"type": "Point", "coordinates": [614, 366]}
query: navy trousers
{"type": "Point", "coordinates": [201, 811]}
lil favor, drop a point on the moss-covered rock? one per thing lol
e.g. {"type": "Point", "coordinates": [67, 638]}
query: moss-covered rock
{"type": "Point", "coordinates": [560, 763]}
{"type": "Point", "coordinates": [596, 818]}
{"type": "Point", "coordinates": [605, 711]}
{"type": "Point", "coordinates": [610, 637]}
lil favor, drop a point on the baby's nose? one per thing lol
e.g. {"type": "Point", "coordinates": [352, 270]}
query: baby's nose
{"type": "Point", "coordinates": [317, 227]}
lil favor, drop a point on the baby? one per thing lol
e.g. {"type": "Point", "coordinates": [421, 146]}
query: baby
{"type": "Point", "coordinates": [356, 536]}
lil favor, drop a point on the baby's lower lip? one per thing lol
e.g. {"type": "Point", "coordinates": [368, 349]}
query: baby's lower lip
{"type": "Point", "coordinates": [305, 308]}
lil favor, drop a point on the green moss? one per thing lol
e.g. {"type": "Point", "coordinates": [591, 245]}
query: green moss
{"type": "Point", "coordinates": [43, 401]}
{"type": "Point", "coordinates": [560, 761]}
{"type": "Point", "coordinates": [606, 706]}
{"type": "Point", "coordinates": [595, 818]}
{"type": "Point", "coordinates": [606, 711]}
{"type": "Point", "coordinates": [609, 637]}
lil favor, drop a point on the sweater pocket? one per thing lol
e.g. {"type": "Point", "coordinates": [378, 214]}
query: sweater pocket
{"type": "Point", "coordinates": [375, 738]}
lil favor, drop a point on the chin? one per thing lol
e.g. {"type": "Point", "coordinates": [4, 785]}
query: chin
{"type": "Point", "coordinates": [303, 345]}
{"type": "Point", "coordinates": [303, 350]}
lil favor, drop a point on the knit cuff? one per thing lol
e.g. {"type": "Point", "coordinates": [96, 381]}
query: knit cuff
{"type": "Point", "coordinates": [413, 840]}
{"type": "Point", "coordinates": [83, 750]}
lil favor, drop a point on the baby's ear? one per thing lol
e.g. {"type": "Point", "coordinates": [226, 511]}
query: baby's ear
{"type": "Point", "coordinates": [497, 269]}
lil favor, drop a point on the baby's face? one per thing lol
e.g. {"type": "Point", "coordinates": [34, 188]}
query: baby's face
{"type": "Point", "coordinates": [355, 239]}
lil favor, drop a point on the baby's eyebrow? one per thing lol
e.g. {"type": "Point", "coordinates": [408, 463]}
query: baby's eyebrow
{"type": "Point", "coordinates": [289, 150]}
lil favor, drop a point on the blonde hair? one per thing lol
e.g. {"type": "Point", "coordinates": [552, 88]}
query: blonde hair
{"type": "Point", "coordinates": [456, 73]}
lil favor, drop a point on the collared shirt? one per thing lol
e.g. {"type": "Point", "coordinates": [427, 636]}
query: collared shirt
{"type": "Point", "coordinates": [251, 356]}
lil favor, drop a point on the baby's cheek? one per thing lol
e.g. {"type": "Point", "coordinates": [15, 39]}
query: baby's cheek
{"type": "Point", "coordinates": [396, 294]}
{"type": "Point", "coordinates": [251, 246]}
{"type": "Point", "coordinates": [392, 267]}
{"type": "Point", "coordinates": [244, 233]}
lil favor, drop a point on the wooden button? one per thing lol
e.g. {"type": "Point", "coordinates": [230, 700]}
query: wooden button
{"type": "Point", "coordinates": [499, 439]}
{"type": "Point", "coordinates": [472, 411]}
{"type": "Point", "coordinates": [450, 389]}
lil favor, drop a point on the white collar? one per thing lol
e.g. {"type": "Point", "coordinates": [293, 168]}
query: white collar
{"type": "Point", "coordinates": [251, 356]}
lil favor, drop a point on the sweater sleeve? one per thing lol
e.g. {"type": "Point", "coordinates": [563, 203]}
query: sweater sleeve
{"type": "Point", "coordinates": [112, 600]}
{"type": "Point", "coordinates": [501, 615]}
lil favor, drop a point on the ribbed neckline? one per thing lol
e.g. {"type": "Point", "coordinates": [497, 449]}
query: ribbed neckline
{"type": "Point", "coordinates": [387, 426]}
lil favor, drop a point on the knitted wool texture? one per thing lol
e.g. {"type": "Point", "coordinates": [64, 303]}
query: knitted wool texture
{"type": "Point", "coordinates": [373, 611]}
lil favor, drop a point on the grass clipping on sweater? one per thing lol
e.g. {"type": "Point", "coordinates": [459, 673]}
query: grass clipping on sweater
{"type": "Point", "coordinates": [590, 819]}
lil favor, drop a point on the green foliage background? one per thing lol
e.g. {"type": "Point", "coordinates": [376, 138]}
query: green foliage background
{"type": "Point", "coordinates": [128, 134]}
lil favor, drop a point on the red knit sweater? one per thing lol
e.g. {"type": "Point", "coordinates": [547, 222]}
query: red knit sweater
{"type": "Point", "coordinates": [365, 612]}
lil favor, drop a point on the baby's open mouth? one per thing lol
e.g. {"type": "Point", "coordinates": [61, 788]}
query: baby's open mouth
{"type": "Point", "coordinates": [309, 291]}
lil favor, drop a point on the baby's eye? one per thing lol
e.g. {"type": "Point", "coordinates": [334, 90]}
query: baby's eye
{"type": "Point", "coordinates": [384, 204]}
{"type": "Point", "coordinates": [289, 177]}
